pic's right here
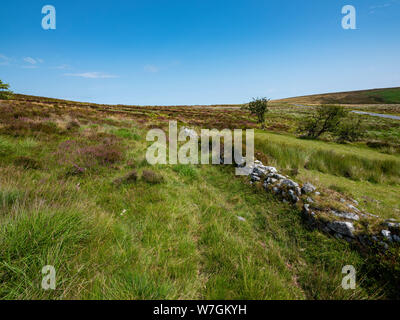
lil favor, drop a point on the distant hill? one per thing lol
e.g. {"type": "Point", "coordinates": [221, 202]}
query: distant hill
{"type": "Point", "coordinates": [373, 96]}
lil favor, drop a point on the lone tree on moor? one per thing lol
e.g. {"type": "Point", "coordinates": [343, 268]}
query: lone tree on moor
{"type": "Point", "coordinates": [258, 107]}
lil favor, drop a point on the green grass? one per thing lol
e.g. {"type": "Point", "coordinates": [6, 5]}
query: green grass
{"type": "Point", "coordinates": [386, 96]}
{"type": "Point", "coordinates": [352, 162]}
{"type": "Point", "coordinates": [180, 238]}
{"type": "Point", "coordinates": [378, 199]}
{"type": "Point", "coordinates": [373, 96]}
{"type": "Point", "coordinates": [186, 170]}
{"type": "Point", "coordinates": [176, 240]}
{"type": "Point", "coordinates": [370, 177]}
{"type": "Point", "coordinates": [126, 133]}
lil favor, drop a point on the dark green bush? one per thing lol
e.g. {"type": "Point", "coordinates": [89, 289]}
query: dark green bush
{"type": "Point", "coordinates": [258, 107]}
{"type": "Point", "coordinates": [324, 120]}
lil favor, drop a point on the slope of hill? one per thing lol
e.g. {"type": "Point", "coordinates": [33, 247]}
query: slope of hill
{"type": "Point", "coordinates": [77, 193]}
{"type": "Point", "coordinates": [373, 96]}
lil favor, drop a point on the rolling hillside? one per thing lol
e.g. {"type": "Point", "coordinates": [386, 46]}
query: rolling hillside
{"type": "Point", "coordinates": [373, 96]}
{"type": "Point", "coordinates": [77, 193]}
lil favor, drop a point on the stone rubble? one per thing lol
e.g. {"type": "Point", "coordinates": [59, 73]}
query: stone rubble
{"type": "Point", "coordinates": [345, 225]}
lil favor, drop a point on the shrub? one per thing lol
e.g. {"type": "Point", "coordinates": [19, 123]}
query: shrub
{"type": "Point", "coordinates": [258, 107]}
{"type": "Point", "coordinates": [350, 129]}
{"type": "Point", "coordinates": [105, 152]}
{"type": "Point", "coordinates": [129, 178]}
{"type": "Point", "coordinates": [325, 119]}
{"type": "Point", "coordinates": [152, 177]}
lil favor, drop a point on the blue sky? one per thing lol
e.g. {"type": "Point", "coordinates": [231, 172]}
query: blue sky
{"type": "Point", "coordinates": [167, 52]}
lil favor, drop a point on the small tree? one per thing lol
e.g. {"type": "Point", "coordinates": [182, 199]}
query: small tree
{"type": "Point", "coordinates": [325, 119]}
{"type": "Point", "coordinates": [5, 93]}
{"type": "Point", "coordinates": [258, 107]}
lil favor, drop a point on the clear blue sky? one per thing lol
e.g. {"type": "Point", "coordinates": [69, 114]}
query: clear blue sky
{"type": "Point", "coordinates": [197, 51]}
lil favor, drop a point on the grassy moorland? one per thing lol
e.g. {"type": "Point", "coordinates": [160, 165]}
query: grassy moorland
{"type": "Point", "coordinates": [373, 96]}
{"type": "Point", "coordinates": [77, 193]}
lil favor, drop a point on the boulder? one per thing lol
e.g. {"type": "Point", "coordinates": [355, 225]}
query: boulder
{"type": "Point", "coordinates": [387, 235]}
{"type": "Point", "coordinates": [344, 228]}
{"type": "Point", "coordinates": [290, 183]}
{"type": "Point", "coordinates": [308, 188]}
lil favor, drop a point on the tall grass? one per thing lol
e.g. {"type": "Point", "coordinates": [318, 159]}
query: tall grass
{"type": "Point", "coordinates": [33, 240]}
{"type": "Point", "coordinates": [179, 239]}
{"type": "Point", "coordinates": [352, 166]}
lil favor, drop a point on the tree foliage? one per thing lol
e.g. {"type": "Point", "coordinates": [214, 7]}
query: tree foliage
{"type": "Point", "coordinates": [5, 93]}
{"type": "Point", "coordinates": [350, 129]}
{"type": "Point", "coordinates": [325, 119]}
{"type": "Point", "coordinates": [258, 107]}
{"type": "Point", "coordinates": [333, 120]}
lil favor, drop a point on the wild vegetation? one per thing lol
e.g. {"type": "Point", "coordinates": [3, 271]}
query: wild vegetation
{"type": "Point", "coordinates": [5, 92]}
{"type": "Point", "coordinates": [77, 193]}
{"type": "Point", "coordinates": [258, 107]}
{"type": "Point", "coordinates": [374, 96]}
